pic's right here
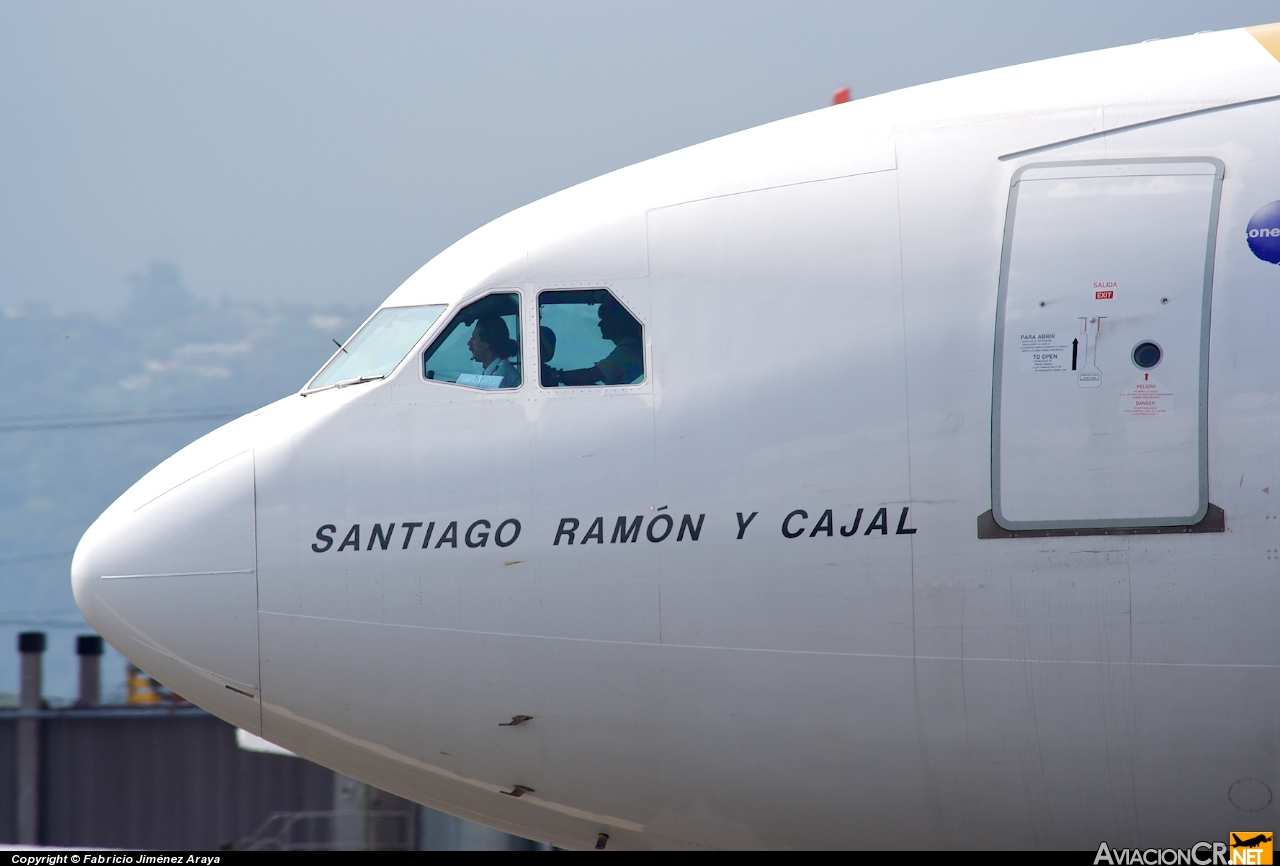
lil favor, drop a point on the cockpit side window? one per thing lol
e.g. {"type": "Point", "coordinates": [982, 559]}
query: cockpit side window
{"type": "Point", "coordinates": [480, 348]}
{"type": "Point", "coordinates": [588, 338]}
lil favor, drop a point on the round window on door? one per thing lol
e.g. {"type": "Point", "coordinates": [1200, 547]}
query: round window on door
{"type": "Point", "coordinates": [1147, 354]}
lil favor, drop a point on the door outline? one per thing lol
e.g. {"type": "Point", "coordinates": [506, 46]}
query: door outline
{"type": "Point", "coordinates": [1181, 522]}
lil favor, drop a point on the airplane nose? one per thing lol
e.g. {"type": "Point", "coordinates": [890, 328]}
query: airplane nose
{"type": "Point", "coordinates": [167, 576]}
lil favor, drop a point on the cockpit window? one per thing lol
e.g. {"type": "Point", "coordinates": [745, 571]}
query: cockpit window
{"type": "Point", "coordinates": [376, 349]}
{"type": "Point", "coordinates": [588, 338]}
{"type": "Point", "coordinates": [480, 347]}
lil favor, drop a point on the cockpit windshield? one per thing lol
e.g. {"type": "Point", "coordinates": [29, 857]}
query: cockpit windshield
{"type": "Point", "coordinates": [376, 349]}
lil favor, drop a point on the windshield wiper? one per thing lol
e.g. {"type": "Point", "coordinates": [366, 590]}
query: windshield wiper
{"type": "Point", "coordinates": [358, 380]}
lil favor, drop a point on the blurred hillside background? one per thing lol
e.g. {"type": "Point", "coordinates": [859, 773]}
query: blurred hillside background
{"type": "Point", "coordinates": [93, 400]}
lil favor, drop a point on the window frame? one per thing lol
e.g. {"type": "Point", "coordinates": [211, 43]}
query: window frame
{"type": "Point", "coordinates": [535, 341]}
{"type": "Point", "coordinates": [447, 318]}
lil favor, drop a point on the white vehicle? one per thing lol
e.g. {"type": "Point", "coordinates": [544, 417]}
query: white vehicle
{"type": "Point", "coordinates": [900, 474]}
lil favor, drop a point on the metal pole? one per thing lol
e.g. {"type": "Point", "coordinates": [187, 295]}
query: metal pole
{"type": "Point", "coordinates": [89, 648]}
{"type": "Point", "coordinates": [350, 830]}
{"type": "Point", "coordinates": [31, 645]}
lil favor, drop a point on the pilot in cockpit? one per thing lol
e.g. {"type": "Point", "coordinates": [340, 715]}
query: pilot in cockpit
{"type": "Point", "coordinates": [492, 347]}
{"type": "Point", "coordinates": [625, 364]}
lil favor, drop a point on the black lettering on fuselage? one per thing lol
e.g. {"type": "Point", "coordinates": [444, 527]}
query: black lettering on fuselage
{"type": "Point", "coordinates": [626, 529]}
{"type": "Point", "coordinates": [786, 524]}
{"type": "Point", "coordinates": [497, 535]}
{"type": "Point", "coordinates": [376, 537]}
{"type": "Point", "coordinates": [483, 537]}
{"type": "Point", "coordinates": [568, 526]}
{"type": "Point", "coordinates": [408, 533]}
{"type": "Point", "coordinates": [626, 533]}
{"type": "Point", "coordinates": [595, 530]}
{"type": "Point", "coordinates": [880, 521]}
{"type": "Point", "coordinates": [325, 534]}
{"type": "Point", "coordinates": [686, 522]}
{"type": "Point", "coordinates": [477, 535]}
{"type": "Point", "coordinates": [450, 535]}
{"type": "Point", "coordinates": [648, 532]}
{"type": "Point", "coordinates": [902, 521]}
{"type": "Point", "coordinates": [853, 530]}
{"type": "Point", "coordinates": [824, 524]}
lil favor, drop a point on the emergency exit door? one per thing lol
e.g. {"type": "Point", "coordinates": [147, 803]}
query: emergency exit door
{"type": "Point", "coordinates": [1102, 338]}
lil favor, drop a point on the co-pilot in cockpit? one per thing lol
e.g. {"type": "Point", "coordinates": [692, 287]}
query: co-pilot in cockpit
{"type": "Point", "coordinates": [599, 341]}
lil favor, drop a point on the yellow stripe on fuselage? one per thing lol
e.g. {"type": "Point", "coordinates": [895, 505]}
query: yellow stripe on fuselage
{"type": "Point", "coordinates": [1268, 36]}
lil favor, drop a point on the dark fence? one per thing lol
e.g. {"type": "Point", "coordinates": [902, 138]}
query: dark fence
{"type": "Point", "coordinates": [153, 778]}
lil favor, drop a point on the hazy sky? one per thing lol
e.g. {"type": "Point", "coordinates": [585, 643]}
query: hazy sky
{"type": "Point", "coordinates": [324, 151]}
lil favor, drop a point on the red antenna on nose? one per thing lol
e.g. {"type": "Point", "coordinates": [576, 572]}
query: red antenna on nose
{"type": "Point", "coordinates": [844, 94]}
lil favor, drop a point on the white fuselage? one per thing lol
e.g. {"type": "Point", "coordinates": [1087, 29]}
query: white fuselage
{"type": "Point", "coordinates": [828, 304]}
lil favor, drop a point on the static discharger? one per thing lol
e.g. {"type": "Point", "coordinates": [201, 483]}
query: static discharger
{"type": "Point", "coordinates": [515, 720]}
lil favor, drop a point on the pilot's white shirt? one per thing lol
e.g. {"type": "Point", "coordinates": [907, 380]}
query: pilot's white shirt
{"type": "Point", "coordinates": [504, 368]}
